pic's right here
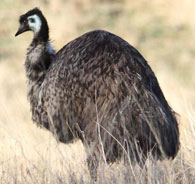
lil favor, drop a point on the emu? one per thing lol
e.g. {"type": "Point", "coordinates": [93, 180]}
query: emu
{"type": "Point", "coordinates": [99, 89]}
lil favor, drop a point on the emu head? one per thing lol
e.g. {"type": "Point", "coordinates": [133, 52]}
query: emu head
{"type": "Point", "coordinates": [34, 21]}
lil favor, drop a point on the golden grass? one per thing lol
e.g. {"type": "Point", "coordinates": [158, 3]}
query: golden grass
{"type": "Point", "coordinates": [162, 31]}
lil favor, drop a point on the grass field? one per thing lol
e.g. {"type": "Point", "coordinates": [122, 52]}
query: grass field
{"type": "Point", "coordinates": [163, 31]}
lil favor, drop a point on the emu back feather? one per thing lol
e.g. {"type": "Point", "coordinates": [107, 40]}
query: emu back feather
{"type": "Point", "coordinates": [100, 89]}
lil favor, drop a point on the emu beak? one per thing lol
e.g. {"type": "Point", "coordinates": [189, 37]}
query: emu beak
{"type": "Point", "coordinates": [22, 29]}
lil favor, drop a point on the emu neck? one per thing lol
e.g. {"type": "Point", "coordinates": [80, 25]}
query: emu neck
{"type": "Point", "coordinates": [42, 36]}
{"type": "Point", "coordinates": [39, 58]}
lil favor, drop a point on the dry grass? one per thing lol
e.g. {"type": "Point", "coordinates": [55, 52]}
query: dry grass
{"type": "Point", "coordinates": [163, 31]}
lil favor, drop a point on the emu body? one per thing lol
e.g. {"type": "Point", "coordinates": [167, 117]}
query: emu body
{"type": "Point", "coordinates": [98, 88]}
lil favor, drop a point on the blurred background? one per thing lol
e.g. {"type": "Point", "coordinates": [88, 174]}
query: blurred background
{"type": "Point", "coordinates": [163, 32]}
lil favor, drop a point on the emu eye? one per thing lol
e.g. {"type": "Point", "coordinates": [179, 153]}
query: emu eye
{"type": "Point", "coordinates": [32, 20]}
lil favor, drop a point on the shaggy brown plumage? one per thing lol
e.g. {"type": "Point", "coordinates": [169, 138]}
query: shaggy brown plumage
{"type": "Point", "coordinates": [99, 88]}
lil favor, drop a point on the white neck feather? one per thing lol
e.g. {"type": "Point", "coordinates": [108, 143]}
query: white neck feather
{"type": "Point", "coordinates": [49, 48]}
